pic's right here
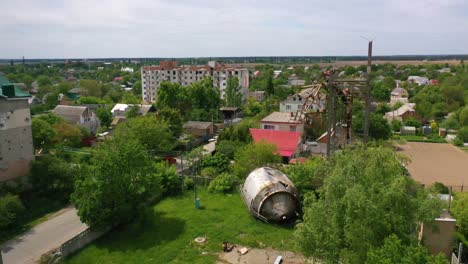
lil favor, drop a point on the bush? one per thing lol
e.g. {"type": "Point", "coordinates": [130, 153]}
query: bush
{"type": "Point", "coordinates": [304, 176]}
{"type": "Point", "coordinates": [188, 183]}
{"type": "Point", "coordinates": [170, 181]}
{"type": "Point", "coordinates": [10, 208]}
{"type": "Point", "coordinates": [222, 184]}
{"type": "Point", "coordinates": [439, 187]}
{"type": "Point", "coordinates": [463, 134]}
{"type": "Point", "coordinates": [52, 175]}
{"type": "Point", "coordinates": [228, 148]}
{"type": "Point", "coordinates": [396, 125]}
{"type": "Point", "coordinates": [209, 172]}
{"type": "Point", "coordinates": [412, 122]}
{"type": "Point", "coordinates": [457, 142]}
{"type": "Point", "coordinates": [219, 161]}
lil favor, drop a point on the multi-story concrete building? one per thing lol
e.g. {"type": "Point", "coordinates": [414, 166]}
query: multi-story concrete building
{"type": "Point", "coordinates": [16, 146]}
{"type": "Point", "coordinates": [153, 76]}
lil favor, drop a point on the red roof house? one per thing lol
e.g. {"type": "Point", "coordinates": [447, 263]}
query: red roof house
{"type": "Point", "coordinates": [286, 142]}
{"type": "Point", "coordinates": [118, 79]}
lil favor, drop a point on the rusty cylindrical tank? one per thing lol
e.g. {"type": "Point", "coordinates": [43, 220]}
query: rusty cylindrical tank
{"type": "Point", "coordinates": [270, 195]}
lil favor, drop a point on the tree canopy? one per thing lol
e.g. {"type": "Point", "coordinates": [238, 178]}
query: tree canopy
{"type": "Point", "coordinates": [366, 197]}
{"type": "Point", "coordinates": [116, 186]}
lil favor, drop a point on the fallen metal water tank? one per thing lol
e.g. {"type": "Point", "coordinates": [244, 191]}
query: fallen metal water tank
{"type": "Point", "coordinates": [270, 195]}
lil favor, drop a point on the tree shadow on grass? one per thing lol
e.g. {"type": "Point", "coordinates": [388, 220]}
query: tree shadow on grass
{"type": "Point", "coordinates": [155, 230]}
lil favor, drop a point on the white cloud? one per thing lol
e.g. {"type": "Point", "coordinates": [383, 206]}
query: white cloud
{"type": "Point", "coordinates": [178, 28]}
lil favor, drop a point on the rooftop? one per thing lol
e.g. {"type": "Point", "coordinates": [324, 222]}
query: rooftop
{"type": "Point", "coordinates": [197, 125]}
{"type": "Point", "coordinates": [282, 117]}
{"type": "Point", "coordinates": [285, 141]}
{"type": "Point", "coordinates": [9, 90]}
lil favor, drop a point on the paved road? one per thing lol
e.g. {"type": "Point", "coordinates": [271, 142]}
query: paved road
{"type": "Point", "coordinates": [43, 238]}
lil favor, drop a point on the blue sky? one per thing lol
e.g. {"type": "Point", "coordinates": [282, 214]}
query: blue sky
{"type": "Point", "coordinates": [204, 28]}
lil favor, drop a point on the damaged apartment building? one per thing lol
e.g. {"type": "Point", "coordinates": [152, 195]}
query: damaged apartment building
{"type": "Point", "coordinates": [153, 76]}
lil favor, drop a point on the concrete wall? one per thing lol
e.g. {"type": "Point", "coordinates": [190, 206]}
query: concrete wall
{"type": "Point", "coordinates": [80, 241]}
{"type": "Point", "coordinates": [16, 146]}
{"type": "Point", "coordinates": [440, 239]}
{"type": "Point", "coordinates": [284, 126]}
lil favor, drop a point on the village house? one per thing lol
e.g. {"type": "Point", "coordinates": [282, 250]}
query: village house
{"type": "Point", "coordinates": [398, 95]}
{"type": "Point", "coordinates": [259, 96]}
{"type": "Point", "coordinates": [418, 80]}
{"type": "Point", "coordinates": [121, 109]}
{"type": "Point", "coordinates": [296, 102]}
{"type": "Point", "coordinates": [287, 142]}
{"type": "Point", "coordinates": [401, 114]}
{"type": "Point", "coordinates": [78, 115]}
{"type": "Point", "coordinates": [283, 122]}
{"type": "Point", "coordinates": [16, 146]}
{"type": "Point", "coordinates": [199, 129]}
{"type": "Point", "coordinates": [294, 80]}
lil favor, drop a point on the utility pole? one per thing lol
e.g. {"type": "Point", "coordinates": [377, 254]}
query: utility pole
{"type": "Point", "coordinates": [368, 95]}
{"type": "Point", "coordinates": [331, 114]}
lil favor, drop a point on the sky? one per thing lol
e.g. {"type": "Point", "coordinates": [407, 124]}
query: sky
{"type": "Point", "coordinates": [220, 28]}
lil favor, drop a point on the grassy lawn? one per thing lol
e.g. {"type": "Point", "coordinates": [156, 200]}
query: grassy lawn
{"type": "Point", "coordinates": [168, 236]}
{"type": "Point", "coordinates": [429, 139]}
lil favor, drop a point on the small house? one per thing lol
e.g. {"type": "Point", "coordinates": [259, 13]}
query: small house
{"type": "Point", "coordinates": [404, 112]}
{"type": "Point", "coordinates": [398, 95]}
{"type": "Point", "coordinates": [199, 129]}
{"type": "Point", "coordinates": [78, 115]}
{"type": "Point", "coordinates": [293, 122]}
{"type": "Point", "coordinates": [287, 142]}
{"type": "Point", "coordinates": [121, 109]}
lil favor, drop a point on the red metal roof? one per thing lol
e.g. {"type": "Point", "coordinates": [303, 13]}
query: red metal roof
{"type": "Point", "coordinates": [286, 142]}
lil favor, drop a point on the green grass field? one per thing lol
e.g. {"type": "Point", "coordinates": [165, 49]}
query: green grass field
{"type": "Point", "coordinates": [168, 236]}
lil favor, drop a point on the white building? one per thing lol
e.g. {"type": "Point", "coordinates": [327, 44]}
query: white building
{"type": "Point", "coordinates": [295, 102]}
{"type": "Point", "coordinates": [126, 69]}
{"type": "Point", "coordinates": [283, 122]}
{"type": "Point", "coordinates": [78, 115]}
{"type": "Point", "coordinates": [419, 80]}
{"type": "Point", "coordinates": [153, 76]}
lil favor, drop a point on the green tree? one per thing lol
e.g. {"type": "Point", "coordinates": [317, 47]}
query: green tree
{"type": "Point", "coordinates": [136, 88]}
{"type": "Point", "coordinates": [396, 125]}
{"type": "Point", "coordinates": [10, 210]}
{"type": "Point", "coordinates": [228, 148]}
{"type": "Point", "coordinates": [463, 134]}
{"type": "Point", "coordinates": [129, 98]}
{"type": "Point", "coordinates": [42, 133]}
{"type": "Point", "coordinates": [269, 87]}
{"type": "Point", "coordinates": [91, 88]}
{"type": "Point", "coordinates": [306, 176]}
{"type": "Point", "coordinates": [366, 197]}
{"type": "Point", "coordinates": [460, 212]}
{"type": "Point", "coordinates": [67, 134]}
{"type": "Point", "coordinates": [43, 80]}
{"type": "Point", "coordinates": [222, 184]}
{"type": "Point", "coordinates": [233, 92]}
{"type": "Point", "coordinates": [253, 156]}
{"type": "Point", "coordinates": [151, 132]}
{"type": "Point", "coordinates": [133, 111]}
{"type": "Point", "coordinates": [172, 117]}
{"type": "Point", "coordinates": [464, 116]}
{"type": "Point", "coordinates": [378, 128]}
{"type": "Point", "coordinates": [394, 251]}
{"type": "Point", "coordinates": [218, 161]}
{"type": "Point", "coordinates": [52, 175]}
{"type": "Point", "coordinates": [105, 116]}
{"type": "Point", "coordinates": [116, 187]}
{"type": "Point", "coordinates": [412, 122]}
